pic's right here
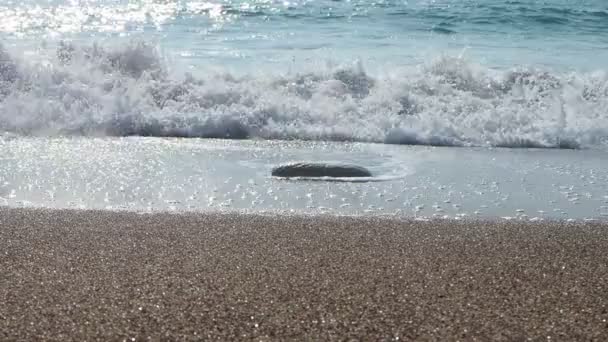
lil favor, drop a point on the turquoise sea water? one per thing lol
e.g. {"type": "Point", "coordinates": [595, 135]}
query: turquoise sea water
{"type": "Point", "coordinates": [474, 74]}
{"type": "Point", "coordinates": [457, 73]}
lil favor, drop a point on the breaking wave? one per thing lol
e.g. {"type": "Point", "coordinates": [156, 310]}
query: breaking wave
{"type": "Point", "coordinates": [130, 90]}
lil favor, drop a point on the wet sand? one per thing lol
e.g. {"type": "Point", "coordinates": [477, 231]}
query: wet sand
{"type": "Point", "coordinates": [82, 275]}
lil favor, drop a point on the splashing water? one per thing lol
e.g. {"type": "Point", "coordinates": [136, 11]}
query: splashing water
{"type": "Point", "coordinates": [129, 89]}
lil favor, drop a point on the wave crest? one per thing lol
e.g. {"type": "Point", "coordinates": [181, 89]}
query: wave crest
{"type": "Point", "coordinates": [130, 90]}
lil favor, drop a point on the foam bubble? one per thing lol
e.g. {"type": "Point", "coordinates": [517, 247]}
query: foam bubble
{"type": "Point", "coordinates": [130, 90]}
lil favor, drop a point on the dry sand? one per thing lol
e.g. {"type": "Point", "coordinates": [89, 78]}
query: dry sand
{"type": "Point", "coordinates": [111, 276]}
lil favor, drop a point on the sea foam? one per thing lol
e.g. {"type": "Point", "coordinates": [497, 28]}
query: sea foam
{"type": "Point", "coordinates": [130, 90]}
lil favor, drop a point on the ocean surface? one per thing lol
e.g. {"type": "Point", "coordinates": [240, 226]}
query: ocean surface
{"type": "Point", "coordinates": [469, 78]}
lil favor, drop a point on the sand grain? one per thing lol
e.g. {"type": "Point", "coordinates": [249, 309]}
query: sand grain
{"type": "Point", "coordinates": [70, 275]}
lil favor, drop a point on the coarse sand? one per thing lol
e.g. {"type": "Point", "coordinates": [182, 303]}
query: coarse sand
{"type": "Point", "coordinates": [96, 275]}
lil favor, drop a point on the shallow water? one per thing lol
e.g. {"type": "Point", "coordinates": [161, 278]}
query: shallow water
{"type": "Point", "coordinates": [151, 174]}
{"type": "Point", "coordinates": [371, 83]}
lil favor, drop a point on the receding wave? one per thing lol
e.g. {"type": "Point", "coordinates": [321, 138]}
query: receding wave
{"type": "Point", "coordinates": [129, 90]}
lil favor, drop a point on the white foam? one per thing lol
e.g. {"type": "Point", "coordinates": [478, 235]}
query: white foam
{"type": "Point", "coordinates": [130, 90]}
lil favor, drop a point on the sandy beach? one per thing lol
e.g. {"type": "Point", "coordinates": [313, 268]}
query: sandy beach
{"type": "Point", "coordinates": [84, 275]}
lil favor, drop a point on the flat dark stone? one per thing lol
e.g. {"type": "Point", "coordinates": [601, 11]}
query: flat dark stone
{"type": "Point", "coordinates": [304, 169]}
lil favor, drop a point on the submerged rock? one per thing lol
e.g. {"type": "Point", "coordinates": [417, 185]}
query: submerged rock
{"type": "Point", "coordinates": [305, 169]}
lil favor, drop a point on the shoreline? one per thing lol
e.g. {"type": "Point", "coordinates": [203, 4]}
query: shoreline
{"type": "Point", "coordinates": [317, 214]}
{"type": "Point", "coordinates": [103, 275]}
